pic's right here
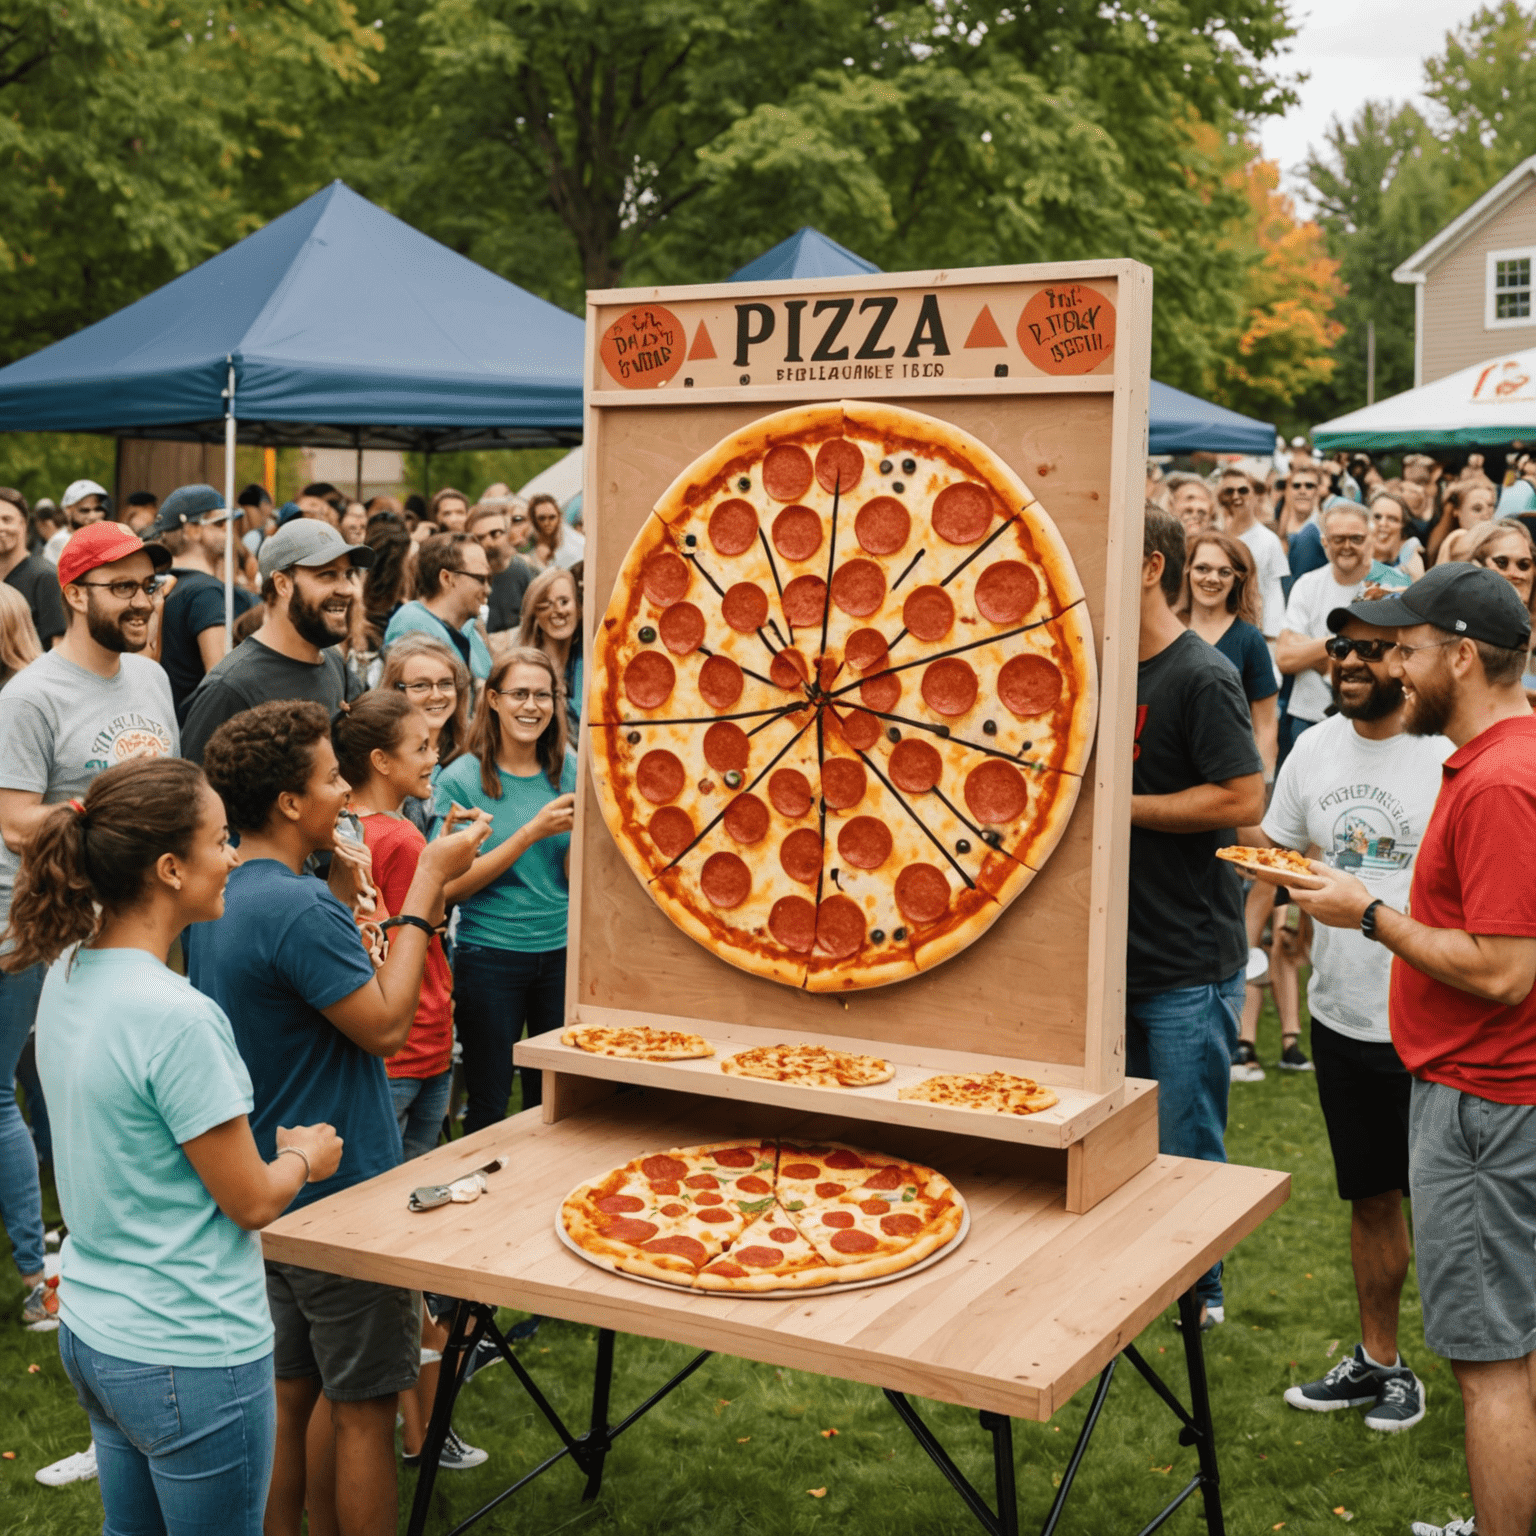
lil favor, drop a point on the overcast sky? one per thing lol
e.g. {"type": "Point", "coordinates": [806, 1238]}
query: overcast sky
{"type": "Point", "coordinates": [1355, 51]}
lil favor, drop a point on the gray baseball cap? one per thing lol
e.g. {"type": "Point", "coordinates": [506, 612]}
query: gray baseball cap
{"type": "Point", "coordinates": [308, 541]}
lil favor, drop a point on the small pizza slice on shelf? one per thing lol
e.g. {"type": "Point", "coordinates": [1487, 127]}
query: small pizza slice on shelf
{"type": "Point", "coordinates": [1267, 863]}
{"type": "Point", "coordinates": [999, 1093]}
{"type": "Point", "coordinates": [637, 1042]}
{"type": "Point", "coordinates": [772, 1254]}
{"type": "Point", "coordinates": [813, 1066]}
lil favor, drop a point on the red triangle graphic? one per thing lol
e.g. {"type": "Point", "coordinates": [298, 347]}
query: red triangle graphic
{"type": "Point", "coordinates": [985, 332]}
{"type": "Point", "coordinates": [703, 347]}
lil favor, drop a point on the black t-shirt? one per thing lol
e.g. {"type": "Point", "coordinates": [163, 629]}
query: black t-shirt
{"type": "Point", "coordinates": [1244, 647]}
{"type": "Point", "coordinates": [38, 582]}
{"type": "Point", "coordinates": [196, 604]}
{"type": "Point", "coordinates": [1186, 906]}
{"type": "Point", "coordinates": [507, 588]}
{"type": "Point", "coordinates": [254, 674]}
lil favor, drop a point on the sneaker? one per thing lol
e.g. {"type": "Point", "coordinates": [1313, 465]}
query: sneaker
{"type": "Point", "coordinates": [1210, 1318]}
{"type": "Point", "coordinates": [1352, 1383]}
{"type": "Point", "coordinates": [481, 1358]}
{"type": "Point", "coordinates": [1467, 1527]}
{"type": "Point", "coordinates": [1245, 1065]}
{"type": "Point", "coordinates": [1294, 1059]}
{"type": "Point", "coordinates": [456, 1457]}
{"type": "Point", "coordinates": [40, 1311]}
{"type": "Point", "coordinates": [79, 1468]}
{"type": "Point", "coordinates": [1400, 1404]}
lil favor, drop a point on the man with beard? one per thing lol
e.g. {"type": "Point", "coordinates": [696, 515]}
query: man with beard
{"type": "Point", "coordinates": [1360, 789]}
{"type": "Point", "coordinates": [30, 574]}
{"type": "Point", "coordinates": [453, 578]}
{"type": "Point", "coordinates": [1463, 1016]}
{"type": "Point", "coordinates": [84, 503]}
{"type": "Point", "coordinates": [86, 705]}
{"type": "Point", "coordinates": [491, 528]}
{"type": "Point", "coordinates": [306, 585]}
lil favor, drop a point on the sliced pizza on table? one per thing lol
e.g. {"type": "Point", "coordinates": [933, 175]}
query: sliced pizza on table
{"type": "Point", "coordinates": [637, 1042]}
{"type": "Point", "coordinates": [772, 1254]}
{"type": "Point", "coordinates": [812, 1066]}
{"type": "Point", "coordinates": [1000, 1093]}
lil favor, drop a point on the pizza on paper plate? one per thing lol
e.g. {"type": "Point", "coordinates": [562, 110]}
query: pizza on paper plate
{"type": "Point", "coordinates": [815, 1066]}
{"type": "Point", "coordinates": [999, 1093]}
{"type": "Point", "coordinates": [638, 1042]}
{"type": "Point", "coordinates": [842, 696]}
{"type": "Point", "coordinates": [759, 1217]}
{"type": "Point", "coordinates": [1270, 864]}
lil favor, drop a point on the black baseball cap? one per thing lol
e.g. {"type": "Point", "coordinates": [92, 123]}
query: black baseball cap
{"type": "Point", "coordinates": [1463, 599]}
{"type": "Point", "coordinates": [186, 504]}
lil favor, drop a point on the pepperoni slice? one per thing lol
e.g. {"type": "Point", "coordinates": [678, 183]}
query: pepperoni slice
{"type": "Point", "coordinates": [881, 692]}
{"type": "Point", "coordinates": [671, 830]}
{"type": "Point", "coordinates": [710, 1198]}
{"type": "Point", "coordinates": [619, 1205]}
{"type": "Point", "coordinates": [664, 577]}
{"type": "Point", "coordinates": [716, 1214]}
{"type": "Point", "coordinates": [858, 588]}
{"type": "Point", "coordinates": [752, 1185]}
{"type": "Point", "coordinates": [888, 1177]}
{"type": "Point", "coordinates": [1029, 685]}
{"type": "Point", "coordinates": [800, 856]}
{"type": "Point", "coordinates": [744, 607]}
{"type": "Point", "coordinates": [843, 782]}
{"type": "Point", "coordinates": [679, 1246]}
{"type": "Point", "coordinates": [660, 1166]}
{"type": "Point", "coordinates": [860, 729]}
{"type": "Point", "coordinates": [839, 927]}
{"type": "Point", "coordinates": [799, 1171]}
{"type": "Point", "coordinates": [725, 881]}
{"type": "Point", "coordinates": [665, 1187]}
{"type": "Point", "coordinates": [854, 1242]}
{"type": "Point", "coordinates": [949, 686]}
{"type": "Point", "coordinates": [746, 819]}
{"type": "Point", "coordinates": [797, 533]}
{"type": "Point", "coordinates": [915, 766]}
{"type": "Point", "coordinates": [928, 613]}
{"type": "Point", "coordinates": [759, 1256]}
{"type": "Point", "coordinates": [736, 1157]}
{"type": "Point", "coordinates": [843, 1158]}
{"type": "Point", "coordinates": [674, 1209]}
{"type": "Point", "coordinates": [733, 527]}
{"type": "Point", "coordinates": [787, 472]}
{"type": "Point", "coordinates": [829, 1191]}
{"type": "Point", "coordinates": [864, 842]}
{"type": "Point", "coordinates": [1006, 591]}
{"type": "Point", "coordinates": [720, 682]}
{"type": "Point", "coordinates": [649, 679]}
{"type": "Point", "coordinates": [681, 628]}
{"type": "Point", "coordinates": [837, 1219]}
{"type": "Point", "coordinates": [995, 792]}
{"type": "Point", "coordinates": [789, 791]}
{"type": "Point", "coordinates": [922, 893]}
{"type": "Point", "coordinates": [805, 600]}
{"type": "Point", "coordinates": [789, 668]}
{"type": "Point", "coordinates": [962, 512]}
{"type": "Point", "coordinates": [659, 776]}
{"type": "Point", "coordinates": [865, 648]}
{"type": "Point", "coordinates": [726, 746]}
{"type": "Point", "coordinates": [702, 1181]}
{"type": "Point", "coordinates": [883, 526]}
{"type": "Point", "coordinates": [792, 922]}
{"type": "Point", "coordinates": [874, 1207]}
{"type": "Point", "coordinates": [839, 464]}
{"type": "Point", "coordinates": [630, 1229]}
{"type": "Point", "coordinates": [783, 1234]}
{"type": "Point", "coordinates": [901, 1224]}
{"type": "Point", "coordinates": [726, 1270]}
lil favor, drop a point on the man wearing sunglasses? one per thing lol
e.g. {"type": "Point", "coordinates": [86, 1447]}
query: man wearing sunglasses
{"type": "Point", "coordinates": [453, 582]}
{"type": "Point", "coordinates": [1306, 498]}
{"type": "Point", "coordinates": [1360, 790]}
{"type": "Point", "coordinates": [1462, 1011]}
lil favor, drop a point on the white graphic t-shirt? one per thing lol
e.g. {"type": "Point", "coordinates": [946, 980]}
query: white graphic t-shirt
{"type": "Point", "coordinates": [1364, 805]}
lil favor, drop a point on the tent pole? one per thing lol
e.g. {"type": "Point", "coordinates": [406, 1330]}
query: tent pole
{"type": "Point", "coordinates": [358, 489]}
{"type": "Point", "coordinates": [229, 510]}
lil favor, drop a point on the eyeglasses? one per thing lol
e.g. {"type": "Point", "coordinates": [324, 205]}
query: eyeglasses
{"type": "Point", "coordinates": [1387, 519]}
{"type": "Point", "coordinates": [484, 580]}
{"type": "Point", "coordinates": [433, 685]}
{"type": "Point", "coordinates": [1303, 485]}
{"type": "Point", "coordinates": [1233, 493]}
{"type": "Point", "coordinates": [1340, 646]}
{"type": "Point", "coordinates": [1519, 562]}
{"type": "Point", "coordinates": [1405, 651]}
{"type": "Point", "coordinates": [522, 695]}
{"type": "Point", "coordinates": [1347, 540]}
{"type": "Point", "coordinates": [124, 591]}
{"type": "Point", "coordinates": [1223, 571]}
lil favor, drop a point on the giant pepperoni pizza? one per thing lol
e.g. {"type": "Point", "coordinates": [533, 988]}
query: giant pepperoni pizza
{"type": "Point", "coordinates": [842, 696]}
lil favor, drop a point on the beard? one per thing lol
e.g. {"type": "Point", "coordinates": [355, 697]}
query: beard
{"type": "Point", "coordinates": [1429, 710]}
{"type": "Point", "coordinates": [1385, 697]}
{"type": "Point", "coordinates": [107, 631]}
{"type": "Point", "coordinates": [314, 624]}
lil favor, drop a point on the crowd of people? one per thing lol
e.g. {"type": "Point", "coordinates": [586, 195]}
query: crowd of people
{"type": "Point", "coordinates": [1338, 663]}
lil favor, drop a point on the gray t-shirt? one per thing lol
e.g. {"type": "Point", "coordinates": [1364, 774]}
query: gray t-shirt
{"type": "Point", "coordinates": [1365, 805]}
{"type": "Point", "coordinates": [60, 725]}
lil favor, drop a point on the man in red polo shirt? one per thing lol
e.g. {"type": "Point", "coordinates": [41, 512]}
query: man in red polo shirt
{"type": "Point", "coordinates": [1463, 1015]}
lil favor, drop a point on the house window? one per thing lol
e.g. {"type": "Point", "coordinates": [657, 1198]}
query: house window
{"type": "Point", "coordinates": [1510, 288]}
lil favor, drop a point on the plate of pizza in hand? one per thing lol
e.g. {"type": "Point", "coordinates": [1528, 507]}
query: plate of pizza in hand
{"type": "Point", "coordinates": [1274, 866]}
{"type": "Point", "coordinates": [764, 1217]}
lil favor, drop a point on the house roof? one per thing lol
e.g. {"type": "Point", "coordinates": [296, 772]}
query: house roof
{"type": "Point", "coordinates": [1492, 203]}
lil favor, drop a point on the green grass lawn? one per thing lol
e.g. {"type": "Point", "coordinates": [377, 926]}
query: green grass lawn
{"type": "Point", "coordinates": [739, 1446]}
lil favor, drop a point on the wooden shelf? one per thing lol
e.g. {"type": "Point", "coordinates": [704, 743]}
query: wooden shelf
{"type": "Point", "coordinates": [1076, 1112]}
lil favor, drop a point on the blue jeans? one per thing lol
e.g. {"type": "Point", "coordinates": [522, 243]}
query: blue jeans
{"type": "Point", "coordinates": [496, 993]}
{"type": "Point", "coordinates": [1185, 1039]}
{"type": "Point", "coordinates": [182, 1451]}
{"type": "Point", "coordinates": [21, 1197]}
{"type": "Point", "coordinates": [421, 1106]}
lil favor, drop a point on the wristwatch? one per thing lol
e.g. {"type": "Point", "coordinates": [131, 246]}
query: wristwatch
{"type": "Point", "coordinates": [1368, 919]}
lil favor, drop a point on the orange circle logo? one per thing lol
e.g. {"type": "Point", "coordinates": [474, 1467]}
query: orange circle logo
{"type": "Point", "coordinates": [644, 347]}
{"type": "Point", "coordinates": [1068, 328]}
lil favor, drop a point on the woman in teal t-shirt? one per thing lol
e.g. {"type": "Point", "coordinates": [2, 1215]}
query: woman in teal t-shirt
{"type": "Point", "coordinates": [509, 958]}
{"type": "Point", "coordinates": [164, 1328]}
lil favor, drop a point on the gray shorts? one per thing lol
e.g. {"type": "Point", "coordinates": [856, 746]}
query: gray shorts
{"type": "Point", "coordinates": [1472, 1168]}
{"type": "Point", "coordinates": [362, 1340]}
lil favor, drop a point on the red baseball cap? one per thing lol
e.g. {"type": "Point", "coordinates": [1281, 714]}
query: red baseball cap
{"type": "Point", "coordinates": [101, 544]}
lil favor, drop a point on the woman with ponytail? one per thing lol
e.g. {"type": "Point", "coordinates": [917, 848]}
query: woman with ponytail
{"type": "Point", "coordinates": [164, 1328]}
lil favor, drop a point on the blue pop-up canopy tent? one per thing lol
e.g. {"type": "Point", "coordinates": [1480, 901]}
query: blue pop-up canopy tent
{"type": "Point", "coordinates": [1180, 423]}
{"type": "Point", "coordinates": [335, 324]}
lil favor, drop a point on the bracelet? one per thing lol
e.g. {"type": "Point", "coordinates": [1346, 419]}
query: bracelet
{"type": "Point", "coordinates": [407, 921]}
{"type": "Point", "coordinates": [297, 1152]}
{"type": "Point", "coordinates": [1368, 919]}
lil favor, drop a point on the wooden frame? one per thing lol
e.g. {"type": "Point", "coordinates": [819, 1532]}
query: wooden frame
{"type": "Point", "coordinates": [1078, 438]}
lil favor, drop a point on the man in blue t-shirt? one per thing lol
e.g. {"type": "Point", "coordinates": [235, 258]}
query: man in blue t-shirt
{"type": "Point", "coordinates": [313, 1020]}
